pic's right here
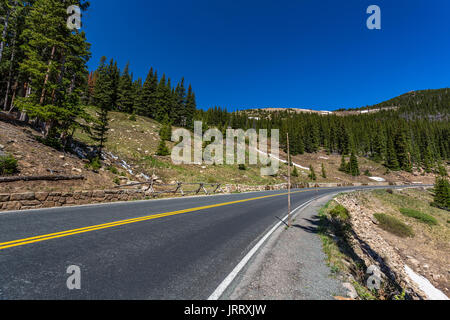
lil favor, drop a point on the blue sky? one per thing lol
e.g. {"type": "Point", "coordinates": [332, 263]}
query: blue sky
{"type": "Point", "coordinates": [300, 53]}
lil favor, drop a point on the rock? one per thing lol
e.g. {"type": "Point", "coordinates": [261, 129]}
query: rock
{"type": "Point", "coordinates": [41, 196]}
{"type": "Point", "coordinates": [351, 291]}
{"type": "Point", "coordinates": [374, 221]}
{"type": "Point", "coordinates": [413, 260]}
{"type": "Point", "coordinates": [436, 277]}
{"type": "Point", "coordinates": [77, 170]}
{"type": "Point", "coordinates": [4, 197]}
{"type": "Point", "coordinates": [62, 157]}
{"type": "Point", "coordinates": [426, 267]}
{"type": "Point", "coordinates": [22, 196]}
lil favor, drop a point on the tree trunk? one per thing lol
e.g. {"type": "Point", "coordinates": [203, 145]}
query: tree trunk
{"type": "Point", "coordinates": [13, 96]}
{"type": "Point", "coordinates": [11, 61]}
{"type": "Point", "coordinates": [5, 28]}
{"type": "Point", "coordinates": [47, 74]}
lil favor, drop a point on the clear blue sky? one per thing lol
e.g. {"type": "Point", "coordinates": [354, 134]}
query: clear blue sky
{"type": "Point", "coordinates": [300, 53]}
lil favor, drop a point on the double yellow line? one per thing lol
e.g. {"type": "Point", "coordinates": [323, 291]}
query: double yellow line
{"type": "Point", "coordinates": [21, 242]}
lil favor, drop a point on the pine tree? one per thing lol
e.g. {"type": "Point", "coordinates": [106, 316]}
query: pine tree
{"type": "Point", "coordinates": [391, 156]}
{"type": "Point", "coordinates": [125, 92]}
{"type": "Point", "coordinates": [353, 165]}
{"type": "Point", "coordinates": [312, 173]}
{"type": "Point", "coordinates": [190, 108]}
{"type": "Point", "coordinates": [378, 146]}
{"type": "Point", "coordinates": [163, 99]}
{"type": "Point", "coordinates": [442, 193]}
{"type": "Point", "coordinates": [402, 151]}
{"type": "Point", "coordinates": [55, 61]}
{"type": "Point", "coordinates": [147, 105]}
{"type": "Point", "coordinates": [162, 148]}
{"type": "Point", "coordinates": [165, 133]}
{"type": "Point", "coordinates": [180, 108]}
{"type": "Point", "coordinates": [343, 166]}
{"type": "Point", "coordinates": [295, 172]}
{"type": "Point", "coordinates": [324, 173]}
{"type": "Point", "coordinates": [104, 93]}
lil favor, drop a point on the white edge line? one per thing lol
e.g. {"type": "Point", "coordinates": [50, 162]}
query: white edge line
{"type": "Point", "coordinates": [229, 279]}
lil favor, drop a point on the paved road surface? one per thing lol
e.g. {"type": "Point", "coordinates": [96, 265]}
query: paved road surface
{"type": "Point", "coordinates": [165, 249]}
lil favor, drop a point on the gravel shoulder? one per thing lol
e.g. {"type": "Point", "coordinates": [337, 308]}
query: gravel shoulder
{"type": "Point", "coordinates": [290, 266]}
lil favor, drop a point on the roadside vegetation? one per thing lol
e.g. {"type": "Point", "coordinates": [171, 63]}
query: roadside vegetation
{"type": "Point", "coordinates": [423, 217]}
{"type": "Point", "coordinates": [393, 225]}
{"type": "Point", "coordinates": [8, 165]}
{"type": "Point", "coordinates": [334, 230]}
{"type": "Point", "coordinates": [401, 226]}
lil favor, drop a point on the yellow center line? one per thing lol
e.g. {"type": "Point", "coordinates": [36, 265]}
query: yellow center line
{"type": "Point", "coordinates": [21, 242]}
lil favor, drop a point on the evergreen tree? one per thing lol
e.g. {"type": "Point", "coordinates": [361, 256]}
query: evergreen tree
{"type": "Point", "coordinates": [312, 173]}
{"type": "Point", "coordinates": [165, 133]}
{"type": "Point", "coordinates": [190, 108]}
{"type": "Point", "coordinates": [353, 165]}
{"type": "Point", "coordinates": [324, 173]}
{"type": "Point", "coordinates": [295, 172]}
{"type": "Point", "coordinates": [343, 166]}
{"type": "Point", "coordinates": [104, 93]}
{"type": "Point", "coordinates": [163, 99]}
{"type": "Point", "coordinates": [180, 107]}
{"type": "Point", "coordinates": [402, 151]}
{"type": "Point", "coordinates": [125, 92]}
{"type": "Point", "coordinates": [391, 156]}
{"type": "Point", "coordinates": [442, 193]}
{"type": "Point", "coordinates": [147, 104]}
{"type": "Point", "coordinates": [162, 148]}
{"type": "Point", "coordinates": [378, 147]}
{"type": "Point", "coordinates": [55, 63]}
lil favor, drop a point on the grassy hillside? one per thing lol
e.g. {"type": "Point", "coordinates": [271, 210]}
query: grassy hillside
{"type": "Point", "coordinates": [136, 142]}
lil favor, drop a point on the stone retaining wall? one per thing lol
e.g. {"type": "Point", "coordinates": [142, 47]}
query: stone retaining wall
{"type": "Point", "coordinates": [36, 200]}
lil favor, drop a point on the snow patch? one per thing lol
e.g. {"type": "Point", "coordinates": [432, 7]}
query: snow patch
{"type": "Point", "coordinates": [379, 179]}
{"type": "Point", "coordinates": [431, 291]}
{"type": "Point", "coordinates": [284, 161]}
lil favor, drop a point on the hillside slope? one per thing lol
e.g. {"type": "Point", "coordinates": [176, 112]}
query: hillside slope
{"type": "Point", "coordinates": [130, 157]}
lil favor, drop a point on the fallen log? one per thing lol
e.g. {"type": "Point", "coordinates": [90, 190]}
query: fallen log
{"type": "Point", "coordinates": [40, 178]}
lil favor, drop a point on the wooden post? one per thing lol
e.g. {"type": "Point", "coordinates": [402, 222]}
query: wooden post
{"type": "Point", "coordinates": [289, 181]}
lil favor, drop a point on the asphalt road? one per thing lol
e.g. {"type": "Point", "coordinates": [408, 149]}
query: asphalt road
{"type": "Point", "coordinates": [179, 254]}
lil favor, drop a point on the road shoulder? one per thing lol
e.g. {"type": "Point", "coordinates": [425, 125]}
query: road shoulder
{"type": "Point", "coordinates": [290, 266]}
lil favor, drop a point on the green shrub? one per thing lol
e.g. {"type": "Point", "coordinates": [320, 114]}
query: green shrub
{"type": "Point", "coordinates": [116, 180]}
{"type": "Point", "coordinates": [393, 225]}
{"type": "Point", "coordinates": [132, 117]}
{"type": "Point", "coordinates": [390, 191]}
{"type": "Point", "coordinates": [8, 165]}
{"type": "Point", "coordinates": [295, 172]}
{"type": "Point", "coordinates": [422, 217]}
{"type": "Point", "coordinates": [95, 164]}
{"type": "Point", "coordinates": [113, 170]}
{"type": "Point", "coordinates": [340, 212]}
{"type": "Point", "coordinates": [242, 167]}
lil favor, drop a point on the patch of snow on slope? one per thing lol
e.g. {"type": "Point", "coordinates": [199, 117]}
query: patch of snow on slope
{"type": "Point", "coordinates": [431, 291]}
{"type": "Point", "coordinates": [284, 161]}
{"type": "Point", "coordinates": [377, 179]}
